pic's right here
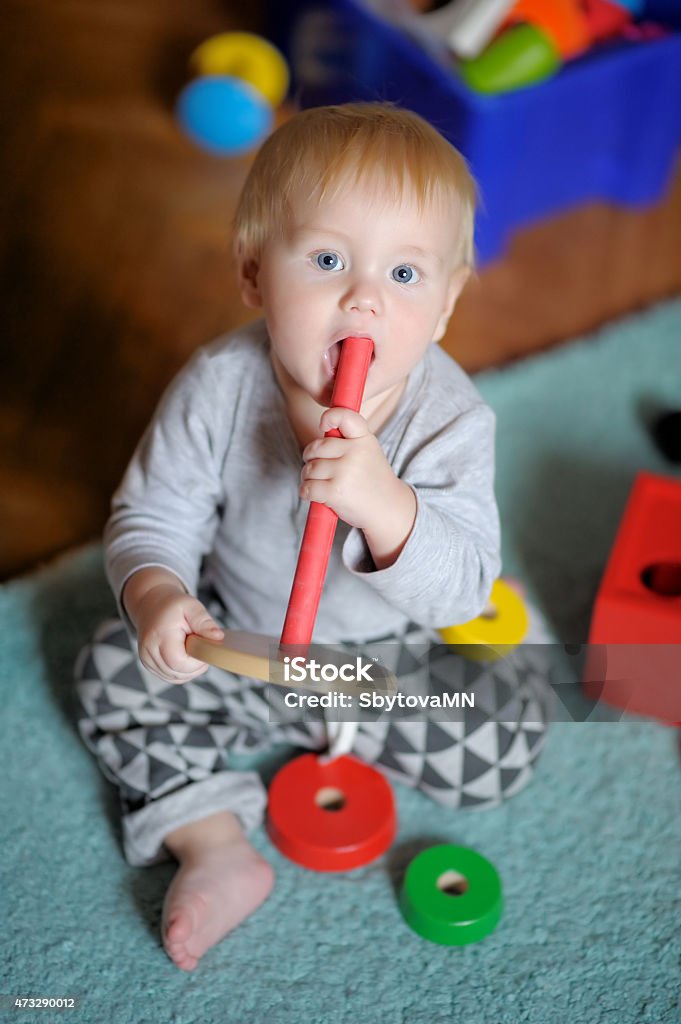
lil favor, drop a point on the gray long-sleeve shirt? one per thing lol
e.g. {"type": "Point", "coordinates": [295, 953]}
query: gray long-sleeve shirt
{"type": "Point", "coordinates": [212, 490]}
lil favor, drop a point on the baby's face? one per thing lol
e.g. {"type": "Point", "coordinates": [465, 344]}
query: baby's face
{"type": "Point", "coordinates": [357, 265]}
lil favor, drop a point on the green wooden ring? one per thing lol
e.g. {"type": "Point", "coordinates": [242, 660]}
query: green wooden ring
{"type": "Point", "coordinates": [446, 918]}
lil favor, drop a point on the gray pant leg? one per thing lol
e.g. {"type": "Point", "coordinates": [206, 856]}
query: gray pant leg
{"type": "Point", "coordinates": [166, 746]}
{"type": "Point", "coordinates": [481, 755]}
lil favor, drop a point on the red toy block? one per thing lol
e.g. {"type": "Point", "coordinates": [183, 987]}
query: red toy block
{"type": "Point", "coordinates": [636, 620]}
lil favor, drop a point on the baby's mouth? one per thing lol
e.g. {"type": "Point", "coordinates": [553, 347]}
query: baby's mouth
{"type": "Point", "coordinates": [332, 355]}
{"type": "Point", "coordinates": [332, 358]}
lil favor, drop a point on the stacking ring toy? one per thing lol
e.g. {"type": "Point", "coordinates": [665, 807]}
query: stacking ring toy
{"type": "Point", "coordinates": [248, 57]}
{"type": "Point", "coordinates": [451, 895]}
{"type": "Point", "coordinates": [495, 633]}
{"type": "Point", "coordinates": [330, 817]}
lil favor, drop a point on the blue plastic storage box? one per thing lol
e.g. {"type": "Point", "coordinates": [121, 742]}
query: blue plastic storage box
{"type": "Point", "coordinates": [606, 127]}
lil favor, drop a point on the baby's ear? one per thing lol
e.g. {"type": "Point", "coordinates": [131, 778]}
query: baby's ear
{"type": "Point", "coordinates": [456, 283]}
{"type": "Point", "coordinates": [248, 283]}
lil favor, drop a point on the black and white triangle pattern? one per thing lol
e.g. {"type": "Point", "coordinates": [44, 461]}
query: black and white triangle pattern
{"type": "Point", "coordinates": [486, 756]}
{"type": "Point", "coordinates": [152, 738]}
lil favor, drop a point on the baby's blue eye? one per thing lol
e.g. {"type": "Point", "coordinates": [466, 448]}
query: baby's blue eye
{"type": "Point", "coordinates": [404, 274]}
{"type": "Point", "coordinates": [329, 261]}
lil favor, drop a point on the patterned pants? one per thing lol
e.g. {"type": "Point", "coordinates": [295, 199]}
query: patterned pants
{"type": "Point", "coordinates": [167, 746]}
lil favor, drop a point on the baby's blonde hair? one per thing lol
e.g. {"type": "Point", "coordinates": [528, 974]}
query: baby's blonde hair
{"type": "Point", "coordinates": [322, 149]}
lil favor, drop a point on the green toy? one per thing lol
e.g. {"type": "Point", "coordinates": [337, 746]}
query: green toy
{"type": "Point", "coordinates": [451, 895]}
{"type": "Point", "coordinates": [522, 55]}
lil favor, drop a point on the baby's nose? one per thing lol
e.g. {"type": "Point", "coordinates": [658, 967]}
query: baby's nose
{"type": "Point", "coordinates": [363, 297]}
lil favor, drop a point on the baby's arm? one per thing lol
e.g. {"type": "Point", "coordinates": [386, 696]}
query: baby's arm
{"type": "Point", "coordinates": [164, 614]}
{"type": "Point", "coordinates": [451, 557]}
{"type": "Point", "coordinates": [163, 519]}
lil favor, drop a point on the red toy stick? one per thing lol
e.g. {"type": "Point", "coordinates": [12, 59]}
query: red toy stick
{"type": "Point", "coordinates": [253, 655]}
{"type": "Point", "coordinates": [313, 558]}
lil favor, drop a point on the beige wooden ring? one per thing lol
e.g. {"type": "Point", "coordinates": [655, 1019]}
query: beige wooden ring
{"type": "Point", "coordinates": [263, 658]}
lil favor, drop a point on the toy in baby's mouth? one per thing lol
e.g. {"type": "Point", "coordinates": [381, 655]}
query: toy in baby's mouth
{"type": "Point", "coordinates": [262, 657]}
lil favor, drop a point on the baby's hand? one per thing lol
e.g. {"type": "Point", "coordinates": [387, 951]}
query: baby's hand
{"type": "Point", "coordinates": [350, 474]}
{"type": "Point", "coordinates": [353, 477]}
{"type": "Point", "coordinates": [165, 616]}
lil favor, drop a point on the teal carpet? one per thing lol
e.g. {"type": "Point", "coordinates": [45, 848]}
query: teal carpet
{"type": "Point", "coordinates": [589, 853]}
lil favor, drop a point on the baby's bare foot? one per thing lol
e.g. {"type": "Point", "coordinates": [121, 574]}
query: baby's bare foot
{"type": "Point", "coordinates": [212, 892]}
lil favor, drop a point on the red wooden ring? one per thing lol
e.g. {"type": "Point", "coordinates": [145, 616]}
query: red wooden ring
{"type": "Point", "coordinates": [304, 826]}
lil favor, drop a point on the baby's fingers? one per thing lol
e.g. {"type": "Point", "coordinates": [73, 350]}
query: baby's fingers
{"type": "Point", "coordinates": [200, 621]}
{"type": "Point", "coordinates": [350, 423]}
{"type": "Point", "coordinates": [176, 663]}
{"type": "Point", "coordinates": [156, 665]}
{"type": "Point", "coordinates": [169, 676]}
{"type": "Point", "coordinates": [169, 659]}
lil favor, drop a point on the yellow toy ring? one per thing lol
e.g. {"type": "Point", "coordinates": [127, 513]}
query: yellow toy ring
{"type": "Point", "coordinates": [246, 56]}
{"type": "Point", "coordinates": [497, 632]}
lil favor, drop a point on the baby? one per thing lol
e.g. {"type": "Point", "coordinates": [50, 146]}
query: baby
{"type": "Point", "coordinates": [355, 220]}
